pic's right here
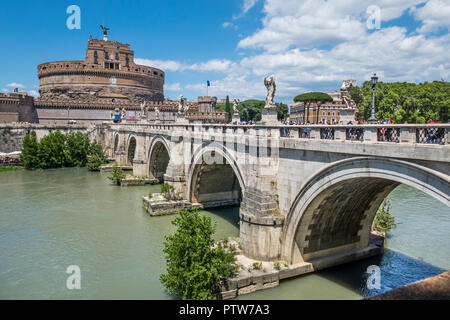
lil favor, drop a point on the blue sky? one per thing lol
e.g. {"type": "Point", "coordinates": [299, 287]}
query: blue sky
{"type": "Point", "coordinates": [307, 44]}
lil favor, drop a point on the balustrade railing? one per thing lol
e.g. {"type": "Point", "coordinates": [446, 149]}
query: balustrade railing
{"type": "Point", "coordinates": [392, 133]}
{"type": "Point", "coordinates": [431, 135]}
{"type": "Point", "coordinates": [354, 134]}
{"type": "Point", "coordinates": [388, 134]}
{"type": "Point", "coordinates": [327, 133]}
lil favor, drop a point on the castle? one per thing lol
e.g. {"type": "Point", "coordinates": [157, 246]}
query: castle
{"type": "Point", "coordinates": [89, 91]}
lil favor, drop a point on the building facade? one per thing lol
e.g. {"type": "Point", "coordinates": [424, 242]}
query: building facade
{"type": "Point", "coordinates": [108, 68]}
{"type": "Point", "coordinates": [341, 110]}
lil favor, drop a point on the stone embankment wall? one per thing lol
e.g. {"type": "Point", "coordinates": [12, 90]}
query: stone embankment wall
{"type": "Point", "coordinates": [11, 135]}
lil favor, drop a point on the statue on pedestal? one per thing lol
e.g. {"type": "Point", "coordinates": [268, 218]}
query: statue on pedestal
{"type": "Point", "coordinates": [271, 88]}
{"type": "Point", "coordinates": [182, 108]}
{"type": "Point", "coordinates": [144, 110]}
{"type": "Point", "coordinates": [156, 113]}
{"type": "Point", "coordinates": [236, 103]}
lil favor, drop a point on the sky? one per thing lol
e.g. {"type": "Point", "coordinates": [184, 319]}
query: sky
{"type": "Point", "coordinates": [308, 45]}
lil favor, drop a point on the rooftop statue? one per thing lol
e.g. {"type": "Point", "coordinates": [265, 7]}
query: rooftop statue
{"type": "Point", "coordinates": [181, 105]}
{"type": "Point", "coordinates": [271, 88]}
{"type": "Point", "coordinates": [105, 30]}
{"type": "Point", "coordinates": [144, 109]}
{"type": "Point", "coordinates": [236, 103]}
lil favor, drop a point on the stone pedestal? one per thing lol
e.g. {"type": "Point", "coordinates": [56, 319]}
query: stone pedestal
{"type": "Point", "coordinates": [269, 116]}
{"type": "Point", "coordinates": [236, 119]}
{"type": "Point", "coordinates": [181, 118]}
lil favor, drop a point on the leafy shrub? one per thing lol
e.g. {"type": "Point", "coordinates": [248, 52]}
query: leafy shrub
{"type": "Point", "coordinates": [257, 265]}
{"type": "Point", "coordinates": [30, 150]}
{"type": "Point", "coordinates": [384, 221]}
{"type": "Point", "coordinates": [52, 151]}
{"type": "Point", "coordinates": [194, 266]}
{"type": "Point", "coordinates": [169, 192]}
{"type": "Point", "coordinates": [277, 265]}
{"type": "Point", "coordinates": [117, 175]}
{"type": "Point", "coordinates": [94, 162]}
{"type": "Point", "coordinates": [77, 146]}
{"type": "Point", "coordinates": [57, 150]}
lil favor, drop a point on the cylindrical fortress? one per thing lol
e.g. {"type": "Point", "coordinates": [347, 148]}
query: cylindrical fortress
{"type": "Point", "coordinates": [108, 72]}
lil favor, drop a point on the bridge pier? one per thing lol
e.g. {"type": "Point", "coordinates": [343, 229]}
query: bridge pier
{"type": "Point", "coordinates": [139, 162]}
{"type": "Point", "coordinates": [120, 154]}
{"type": "Point", "coordinates": [261, 220]}
{"type": "Point", "coordinates": [175, 172]}
{"type": "Point", "coordinates": [260, 227]}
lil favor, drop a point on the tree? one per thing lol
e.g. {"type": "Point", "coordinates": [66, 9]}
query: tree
{"type": "Point", "coordinates": [52, 150]}
{"type": "Point", "coordinates": [282, 111]}
{"type": "Point", "coordinates": [384, 221]}
{"type": "Point", "coordinates": [406, 102]}
{"type": "Point", "coordinates": [30, 149]}
{"type": "Point", "coordinates": [228, 109]}
{"type": "Point", "coordinates": [94, 162]}
{"type": "Point", "coordinates": [77, 145]}
{"type": "Point", "coordinates": [195, 266]}
{"type": "Point", "coordinates": [312, 97]}
{"type": "Point", "coordinates": [117, 175]}
{"type": "Point", "coordinates": [250, 110]}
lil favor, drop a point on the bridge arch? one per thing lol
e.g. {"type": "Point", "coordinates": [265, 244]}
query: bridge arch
{"type": "Point", "coordinates": [158, 158]}
{"type": "Point", "coordinates": [215, 184]}
{"type": "Point", "coordinates": [131, 148]}
{"type": "Point", "coordinates": [334, 211]}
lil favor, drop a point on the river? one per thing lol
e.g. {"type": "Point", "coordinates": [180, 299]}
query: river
{"type": "Point", "coordinates": [52, 219]}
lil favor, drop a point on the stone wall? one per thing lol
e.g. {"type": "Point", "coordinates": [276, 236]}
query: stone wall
{"type": "Point", "coordinates": [11, 135]}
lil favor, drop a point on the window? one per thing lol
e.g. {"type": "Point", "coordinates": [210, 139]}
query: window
{"type": "Point", "coordinates": [106, 55]}
{"type": "Point", "coordinates": [95, 57]}
{"type": "Point", "coordinates": [127, 60]}
{"type": "Point", "coordinates": [112, 65]}
{"type": "Point", "coordinates": [117, 56]}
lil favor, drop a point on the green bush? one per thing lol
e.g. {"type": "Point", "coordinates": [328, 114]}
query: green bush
{"type": "Point", "coordinates": [30, 150]}
{"type": "Point", "coordinates": [52, 151]}
{"type": "Point", "coordinates": [57, 150]}
{"type": "Point", "coordinates": [94, 162]}
{"type": "Point", "coordinates": [77, 146]}
{"type": "Point", "coordinates": [384, 221]}
{"type": "Point", "coordinates": [194, 266]}
{"type": "Point", "coordinates": [117, 175]}
{"type": "Point", "coordinates": [169, 192]}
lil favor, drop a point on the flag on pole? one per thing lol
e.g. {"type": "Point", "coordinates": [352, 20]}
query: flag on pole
{"type": "Point", "coordinates": [208, 83]}
{"type": "Point", "coordinates": [16, 89]}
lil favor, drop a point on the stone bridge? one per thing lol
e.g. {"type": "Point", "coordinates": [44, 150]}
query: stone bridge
{"type": "Point", "coordinates": [306, 193]}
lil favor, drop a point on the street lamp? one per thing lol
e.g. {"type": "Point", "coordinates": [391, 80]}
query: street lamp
{"type": "Point", "coordinates": [372, 119]}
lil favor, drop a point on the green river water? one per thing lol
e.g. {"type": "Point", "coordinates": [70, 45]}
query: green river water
{"type": "Point", "coordinates": [52, 219]}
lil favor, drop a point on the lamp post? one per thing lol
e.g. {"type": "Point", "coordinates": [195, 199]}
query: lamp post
{"type": "Point", "coordinates": [372, 119]}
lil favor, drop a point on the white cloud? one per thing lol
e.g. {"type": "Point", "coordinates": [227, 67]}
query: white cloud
{"type": "Point", "coordinates": [165, 65]}
{"type": "Point", "coordinates": [16, 85]}
{"type": "Point", "coordinates": [4, 90]}
{"type": "Point", "coordinates": [172, 87]}
{"type": "Point", "coordinates": [214, 65]}
{"type": "Point", "coordinates": [246, 6]}
{"type": "Point", "coordinates": [434, 15]}
{"type": "Point", "coordinates": [311, 23]}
